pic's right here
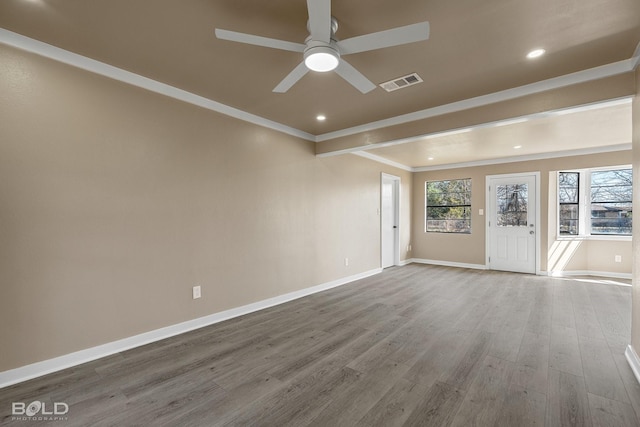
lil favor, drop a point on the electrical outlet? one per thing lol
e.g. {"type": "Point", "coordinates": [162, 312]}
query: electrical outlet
{"type": "Point", "coordinates": [618, 258]}
{"type": "Point", "coordinates": [196, 292]}
{"type": "Point", "coordinates": [346, 262]}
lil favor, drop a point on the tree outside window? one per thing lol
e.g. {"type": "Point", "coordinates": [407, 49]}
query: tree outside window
{"type": "Point", "coordinates": [448, 206]}
{"type": "Point", "coordinates": [595, 202]}
{"type": "Point", "coordinates": [611, 201]}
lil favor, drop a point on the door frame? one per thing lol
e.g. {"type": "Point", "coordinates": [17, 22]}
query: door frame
{"type": "Point", "coordinates": [488, 212]}
{"type": "Point", "coordinates": [396, 208]}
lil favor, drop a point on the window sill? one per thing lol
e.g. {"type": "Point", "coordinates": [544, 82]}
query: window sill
{"type": "Point", "coordinates": [596, 237]}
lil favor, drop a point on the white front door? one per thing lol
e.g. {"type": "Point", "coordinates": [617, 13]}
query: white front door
{"type": "Point", "coordinates": [512, 227]}
{"type": "Point", "coordinates": [389, 219]}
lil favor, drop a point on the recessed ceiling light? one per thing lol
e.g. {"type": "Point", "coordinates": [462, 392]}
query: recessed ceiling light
{"type": "Point", "coordinates": [536, 53]}
{"type": "Point", "coordinates": [430, 158]}
{"type": "Point", "coordinates": [321, 117]}
{"type": "Point", "coordinates": [517, 147]}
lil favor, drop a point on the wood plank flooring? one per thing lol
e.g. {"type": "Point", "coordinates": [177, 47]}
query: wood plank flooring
{"type": "Point", "coordinates": [413, 346]}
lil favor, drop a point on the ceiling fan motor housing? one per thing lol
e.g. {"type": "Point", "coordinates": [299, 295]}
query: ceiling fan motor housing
{"type": "Point", "coordinates": [321, 56]}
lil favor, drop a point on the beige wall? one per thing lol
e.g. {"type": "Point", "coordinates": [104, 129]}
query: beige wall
{"type": "Point", "coordinates": [635, 304]}
{"type": "Point", "coordinates": [115, 201]}
{"type": "Point", "coordinates": [470, 248]}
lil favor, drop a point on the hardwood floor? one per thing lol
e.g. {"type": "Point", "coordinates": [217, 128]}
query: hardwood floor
{"type": "Point", "coordinates": [416, 346]}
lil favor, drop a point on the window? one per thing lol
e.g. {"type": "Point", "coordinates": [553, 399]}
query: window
{"type": "Point", "coordinates": [568, 198]}
{"type": "Point", "coordinates": [611, 200]}
{"type": "Point", "coordinates": [595, 202]}
{"type": "Point", "coordinates": [448, 206]}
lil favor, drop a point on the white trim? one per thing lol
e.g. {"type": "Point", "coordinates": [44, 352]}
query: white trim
{"type": "Point", "coordinates": [527, 158]}
{"type": "Point", "coordinates": [633, 360]}
{"type": "Point", "coordinates": [48, 51]}
{"type": "Point", "coordinates": [594, 237]}
{"type": "Point", "coordinates": [636, 56]}
{"type": "Point", "coordinates": [496, 123]}
{"type": "Point", "coordinates": [38, 369]}
{"type": "Point", "coordinates": [447, 263]}
{"type": "Point", "coordinates": [61, 55]}
{"type": "Point", "coordinates": [381, 160]}
{"type": "Point", "coordinates": [583, 76]}
{"type": "Point", "coordinates": [489, 162]}
{"type": "Point", "coordinates": [573, 273]}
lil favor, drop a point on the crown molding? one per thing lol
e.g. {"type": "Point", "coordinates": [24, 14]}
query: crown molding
{"type": "Point", "coordinates": [527, 158]}
{"type": "Point", "coordinates": [583, 76]}
{"type": "Point", "coordinates": [636, 56]}
{"type": "Point", "coordinates": [497, 123]}
{"type": "Point", "coordinates": [66, 57]}
{"type": "Point", "coordinates": [383, 160]}
{"type": "Point", "coordinates": [489, 162]}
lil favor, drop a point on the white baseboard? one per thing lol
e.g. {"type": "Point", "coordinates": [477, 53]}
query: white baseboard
{"type": "Point", "coordinates": [38, 369]}
{"type": "Point", "coordinates": [448, 263]}
{"type": "Point", "coordinates": [571, 273]}
{"type": "Point", "coordinates": [634, 361]}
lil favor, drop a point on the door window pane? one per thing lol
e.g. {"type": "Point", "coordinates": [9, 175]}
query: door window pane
{"type": "Point", "coordinates": [512, 200]}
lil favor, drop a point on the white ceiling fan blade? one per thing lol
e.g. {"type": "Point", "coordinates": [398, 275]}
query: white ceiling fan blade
{"type": "Point", "coordinates": [292, 78]}
{"type": "Point", "coordinates": [259, 41]}
{"type": "Point", "coordinates": [393, 37]}
{"type": "Point", "coordinates": [320, 20]}
{"type": "Point", "coordinates": [354, 77]}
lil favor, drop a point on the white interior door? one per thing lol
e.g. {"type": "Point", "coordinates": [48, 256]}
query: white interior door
{"type": "Point", "coordinates": [512, 227]}
{"type": "Point", "coordinates": [389, 220]}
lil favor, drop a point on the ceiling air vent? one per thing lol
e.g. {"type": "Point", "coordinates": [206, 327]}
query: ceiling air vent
{"type": "Point", "coordinates": [401, 82]}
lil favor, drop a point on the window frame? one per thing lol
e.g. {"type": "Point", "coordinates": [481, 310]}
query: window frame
{"type": "Point", "coordinates": [578, 203]}
{"type": "Point", "coordinates": [584, 209]}
{"type": "Point", "coordinates": [468, 206]}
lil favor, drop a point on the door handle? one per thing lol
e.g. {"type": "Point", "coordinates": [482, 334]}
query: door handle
{"type": "Point", "coordinates": [395, 226]}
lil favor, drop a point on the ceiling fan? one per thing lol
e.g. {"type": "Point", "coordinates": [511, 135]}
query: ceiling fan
{"type": "Point", "coordinates": [323, 52]}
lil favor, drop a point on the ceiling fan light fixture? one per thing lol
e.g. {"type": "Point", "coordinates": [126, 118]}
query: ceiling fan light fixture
{"type": "Point", "coordinates": [321, 58]}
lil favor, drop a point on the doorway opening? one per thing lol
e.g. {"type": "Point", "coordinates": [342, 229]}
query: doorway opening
{"type": "Point", "coordinates": [390, 220]}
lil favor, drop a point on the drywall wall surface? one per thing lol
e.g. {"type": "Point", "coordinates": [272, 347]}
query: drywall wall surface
{"type": "Point", "coordinates": [115, 202]}
{"type": "Point", "coordinates": [635, 310]}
